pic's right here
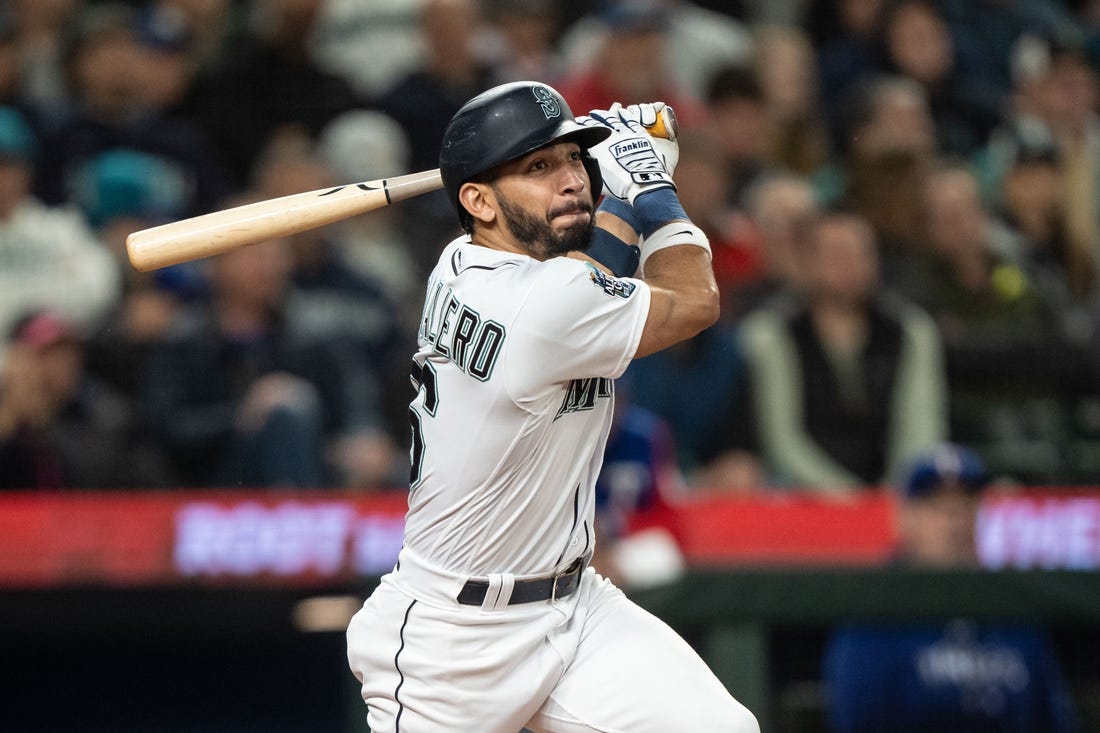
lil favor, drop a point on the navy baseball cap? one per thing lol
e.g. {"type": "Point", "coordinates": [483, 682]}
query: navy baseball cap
{"type": "Point", "coordinates": [946, 463]}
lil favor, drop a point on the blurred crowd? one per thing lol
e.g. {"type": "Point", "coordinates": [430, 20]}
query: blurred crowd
{"type": "Point", "coordinates": [903, 198]}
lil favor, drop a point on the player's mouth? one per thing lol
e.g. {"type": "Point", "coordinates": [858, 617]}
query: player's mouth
{"type": "Point", "coordinates": [576, 212]}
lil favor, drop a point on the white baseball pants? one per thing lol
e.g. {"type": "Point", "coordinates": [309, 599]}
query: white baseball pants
{"type": "Point", "coordinates": [593, 661]}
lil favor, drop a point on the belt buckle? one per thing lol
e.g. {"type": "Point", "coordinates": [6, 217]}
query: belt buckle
{"type": "Point", "coordinates": [554, 589]}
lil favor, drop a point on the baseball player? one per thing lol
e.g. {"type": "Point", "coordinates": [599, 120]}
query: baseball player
{"type": "Point", "coordinates": [491, 619]}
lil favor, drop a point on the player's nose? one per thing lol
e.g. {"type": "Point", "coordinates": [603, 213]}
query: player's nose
{"type": "Point", "coordinates": [573, 179]}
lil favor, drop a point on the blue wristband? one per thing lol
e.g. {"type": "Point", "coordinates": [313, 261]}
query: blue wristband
{"type": "Point", "coordinates": [621, 209]}
{"type": "Point", "coordinates": [654, 209]}
{"type": "Point", "coordinates": [613, 253]}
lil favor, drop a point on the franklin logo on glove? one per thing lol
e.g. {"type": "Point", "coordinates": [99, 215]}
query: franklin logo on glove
{"type": "Point", "coordinates": [631, 146]}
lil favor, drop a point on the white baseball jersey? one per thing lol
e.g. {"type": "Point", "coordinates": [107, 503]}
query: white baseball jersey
{"type": "Point", "coordinates": [514, 370]}
{"type": "Point", "coordinates": [514, 404]}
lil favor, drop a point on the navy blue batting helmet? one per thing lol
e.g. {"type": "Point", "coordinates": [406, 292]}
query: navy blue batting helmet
{"type": "Point", "coordinates": [505, 123]}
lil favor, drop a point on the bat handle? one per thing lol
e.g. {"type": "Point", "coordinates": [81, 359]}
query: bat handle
{"type": "Point", "coordinates": [666, 125]}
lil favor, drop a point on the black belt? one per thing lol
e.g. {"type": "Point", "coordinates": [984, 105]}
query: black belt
{"type": "Point", "coordinates": [528, 591]}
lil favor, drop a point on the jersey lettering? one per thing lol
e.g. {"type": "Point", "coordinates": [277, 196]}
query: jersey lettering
{"type": "Point", "coordinates": [465, 329]}
{"type": "Point", "coordinates": [429, 308]}
{"type": "Point", "coordinates": [458, 332]}
{"type": "Point", "coordinates": [450, 307]}
{"type": "Point", "coordinates": [582, 394]}
{"type": "Point", "coordinates": [489, 341]}
{"type": "Point", "coordinates": [425, 381]}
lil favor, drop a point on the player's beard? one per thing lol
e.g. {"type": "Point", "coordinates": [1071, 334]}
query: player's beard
{"type": "Point", "coordinates": [538, 237]}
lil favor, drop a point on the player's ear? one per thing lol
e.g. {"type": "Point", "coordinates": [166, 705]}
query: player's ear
{"type": "Point", "coordinates": [477, 198]}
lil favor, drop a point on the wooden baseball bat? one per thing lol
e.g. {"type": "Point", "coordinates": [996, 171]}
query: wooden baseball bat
{"type": "Point", "coordinates": [220, 231]}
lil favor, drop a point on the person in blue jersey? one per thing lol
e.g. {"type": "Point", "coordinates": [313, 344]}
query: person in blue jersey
{"type": "Point", "coordinates": [957, 676]}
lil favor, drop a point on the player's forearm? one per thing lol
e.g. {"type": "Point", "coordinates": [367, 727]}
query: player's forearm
{"type": "Point", "coordinates": [675, 262]}
{"type": "Point", "coordinates": [684, 296]}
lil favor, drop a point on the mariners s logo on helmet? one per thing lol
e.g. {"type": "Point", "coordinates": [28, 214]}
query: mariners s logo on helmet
{"type": "Point", "coordinates": [547, 101]}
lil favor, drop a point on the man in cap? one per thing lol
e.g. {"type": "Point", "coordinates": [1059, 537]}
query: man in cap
{"type": "Point", "coordinates": [955, 675]}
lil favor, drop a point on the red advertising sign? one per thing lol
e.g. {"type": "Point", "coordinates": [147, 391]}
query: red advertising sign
{"type": "Point", "coordinates": [310, 538]}
{"type": "Point", "coordinates": [153, 538]}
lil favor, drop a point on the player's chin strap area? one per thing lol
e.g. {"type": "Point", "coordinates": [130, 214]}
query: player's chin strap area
{"type": "Point", "coordinates": [502, 589]}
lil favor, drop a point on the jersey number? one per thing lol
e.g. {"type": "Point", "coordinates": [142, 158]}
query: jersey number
{"type": "Point", "coordinates": [425, 383]}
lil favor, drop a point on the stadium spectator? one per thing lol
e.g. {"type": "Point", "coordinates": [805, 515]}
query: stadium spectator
{"type": "Point", "coordinates": [61, 427]}
{"type": "Point", "coordinates": [109, 112]}
{"type": "Point", "coordinates": [964, 104]}
{"type": "Point", "coordinates": [1060, 259]}
{"type": "Point", "coordinates": [423, 100]}
{"type": "Point", "coordinates": [268, 84]}
{"type": "Point", "coordinates": [41, 36]}
{"type": "Point", "coordinates": [969, 675]}
{"type": "Point", "coordinates": [12, 91]}
{"type": "Point", "coordinates": [1054, 107]}
{"type": "Point", "coordinates": [450, 73]}
{"type": "Point", "coordinates": [778, 206]}
{"type": "Point", "coordinates": [959, 228]}
{"type": "Point", "coordinates": [847, 36]}
{"type": "Point", "coordinates": [337, 302]}
{"type": "Point", "coordinates": [880, 172]}
{"type": "Point", "coordinates": [846, 380]}
{"type": "Point", "coordinates": [169, 52]}
{"type": "Point", "coordinates": [703, 183]}
{"type": "Point", "coordinates": [210, 24]}
{"type": "Point", "coordinates": [631, 63]}
{"type": "Point", "coordinates": [725, 449]}
{"type": "Point", "coordinates": [48, 255]}
{"type": "Point", "coordinates": [385, 31]}
{"type": "Point", "coordinates": [525, 33]}
{"type": "Point", "coordinates": [736, 116]}
{"type": "Point", "coordinates": [787, 70]}
{"type": "Point", "coordinates": [994, 28]}
{"type": "Point", "coordinates": [699, 41]}
{"type": "Point", "coordinates": [1011, 359]}
{"type": "Point", "coordinates": [366, 145]}
{"type": "Point", "coordinates": [124, 192]}
{"type": "Point", "coordinates": [243, 392]}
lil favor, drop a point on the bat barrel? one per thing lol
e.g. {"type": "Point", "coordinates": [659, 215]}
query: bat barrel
{"type": "Point", "coordinates": [221, 231]}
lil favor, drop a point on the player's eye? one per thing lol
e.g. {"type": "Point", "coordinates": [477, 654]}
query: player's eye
{"type": "Point", "coordinates": [537, 165]}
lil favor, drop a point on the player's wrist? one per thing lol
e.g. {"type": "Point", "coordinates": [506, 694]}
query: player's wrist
{"type": "Point", "coordinates": [672, 234]}
{"type": "Point", "coordinates": [613, 253]}
{"type": "Point", "coordinates": [656, 208]}
{"type": "Point", "coordinates": [623, 210]}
